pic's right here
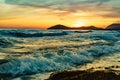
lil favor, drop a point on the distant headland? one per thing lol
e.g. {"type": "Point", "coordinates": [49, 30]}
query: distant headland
{"type": "Point", "coordinates": [114, 26]}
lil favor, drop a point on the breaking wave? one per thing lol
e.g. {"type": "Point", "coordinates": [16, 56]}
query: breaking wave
{"type": "Point", "coordinates": [4, 42]}
{"type": "Point", "coordinates": [70, 51]}
{"type": "Point", "coordinates": [31, 33]}
{"type": "Point", "coordinates": [47, 62]}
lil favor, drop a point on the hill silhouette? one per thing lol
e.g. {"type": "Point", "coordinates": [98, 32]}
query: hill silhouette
{"type": "Point", "coordinates": [59, 26]}
{"type": "Point", "coordinates": [88, 28]}
{"type": "Point", "coordinates": [114, 26]}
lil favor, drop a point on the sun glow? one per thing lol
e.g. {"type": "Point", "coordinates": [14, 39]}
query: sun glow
{"type": "Point", "coordinates": [79, 24]}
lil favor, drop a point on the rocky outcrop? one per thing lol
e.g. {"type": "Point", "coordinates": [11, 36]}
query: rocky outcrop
{"type": "Point", "coordinates": [85, 75]}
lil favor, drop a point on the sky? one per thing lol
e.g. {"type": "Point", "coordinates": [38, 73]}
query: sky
{"type": "Point", "coordinates": [46, 13]}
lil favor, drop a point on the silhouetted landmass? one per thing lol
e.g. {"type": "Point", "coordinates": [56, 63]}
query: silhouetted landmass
{"type": "Point", "coordinates": [59, 26]}
{"type": "Point", "coordinates": [115, 26]}
{"type": "Point", "coordinates": [85, 75]}
{"type": "Point", "coordinates": [88, 28]}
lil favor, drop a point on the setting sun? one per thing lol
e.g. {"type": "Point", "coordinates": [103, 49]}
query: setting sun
{"type": "Point", "coordinates": [79, 24]}
{"type": "Point", "coordinates": [51, 39]}
{"type": "Point", "coordinates": [73, 13]}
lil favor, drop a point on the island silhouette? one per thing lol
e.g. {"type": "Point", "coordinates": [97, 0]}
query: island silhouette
{"type": "Point", "coordinates": [114, 26]}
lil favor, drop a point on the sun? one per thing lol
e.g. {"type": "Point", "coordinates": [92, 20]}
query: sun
{"type": "Point", "coordinates": [79, 24]}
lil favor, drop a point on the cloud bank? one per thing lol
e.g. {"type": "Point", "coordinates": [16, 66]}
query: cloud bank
{"type": "Point", "coordinates": [101, 7]}
{"type": "Point", "coordinates": [60, 11]}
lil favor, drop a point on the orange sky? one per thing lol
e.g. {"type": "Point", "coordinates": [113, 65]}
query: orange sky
{"type": "Point", "coordinates": [43, 14]}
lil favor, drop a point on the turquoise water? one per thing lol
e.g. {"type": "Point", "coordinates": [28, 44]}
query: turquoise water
{"type": "Point", "coordinates": [31, 52]}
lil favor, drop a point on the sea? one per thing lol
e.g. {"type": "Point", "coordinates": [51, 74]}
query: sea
{"type": "Point", "coordinates": [35, 54]}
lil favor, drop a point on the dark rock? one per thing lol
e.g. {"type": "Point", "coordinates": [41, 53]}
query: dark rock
{"type": "Point", "coordinates": [84, 75]}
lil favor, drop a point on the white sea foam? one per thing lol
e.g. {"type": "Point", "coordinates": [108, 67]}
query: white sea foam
{"type": "Point", "coordinates": [54, 53]}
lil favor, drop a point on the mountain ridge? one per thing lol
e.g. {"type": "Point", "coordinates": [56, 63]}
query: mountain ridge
{"type": "Point", "coordinates": [114, 26]}
{"type": "Point", "coordinates": [59, 26]}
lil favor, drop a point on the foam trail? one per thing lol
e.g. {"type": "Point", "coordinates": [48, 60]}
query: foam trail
{"type": "Point", "coordinates": [64, 51]}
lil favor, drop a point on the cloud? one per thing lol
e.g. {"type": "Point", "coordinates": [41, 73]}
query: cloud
{"type": "Point", "coordinates": [95, 1]}
{"type": "Point", "coordinates": [50, 3]}
{"type": "Point", "coordinates": [65, 7]}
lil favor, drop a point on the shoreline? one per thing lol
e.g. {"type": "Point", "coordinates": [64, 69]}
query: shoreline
{"type": "Point", "coordinates": [100, 69]}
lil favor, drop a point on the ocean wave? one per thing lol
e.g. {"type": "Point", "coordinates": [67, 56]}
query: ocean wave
{"type": "Point", "coordinates": [106, 35]}
{"type": "Point", "coordinates": [4, 42]}
{"type": "Point", "coordinates": [59, 52]}
{"type": "Point", "coordinates": [48, 62]}
{"type": "Point", "coordinates": [29, 33]}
